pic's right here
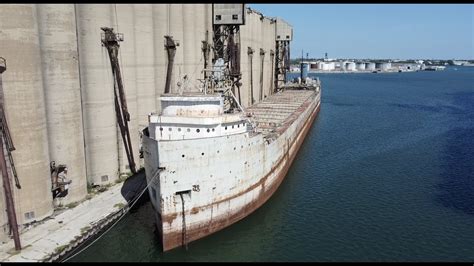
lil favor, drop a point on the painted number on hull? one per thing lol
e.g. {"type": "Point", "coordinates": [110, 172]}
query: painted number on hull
{"type": "Point", "coordinates": [196, 188]}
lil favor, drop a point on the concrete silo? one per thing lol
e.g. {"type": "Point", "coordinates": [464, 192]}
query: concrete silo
{"type": "Point", "coordinates": [245, 42]}
{"type": "Point", "coordinates": [200, 26]}
{"type": "Point", "coordinates": [100, 129]}
{"type": "Point", "coordinates": [189, 41]}
{"type": "Point", "coordinates": [60, 69]}
{"type": "Point", "coordinates": [25, 111]}
{"type": "Point", "coordinates": [160, 29]}
{"type": "Point", "coordinates": [267, 71]}
{"type": "Point", "coordinates": [125, 19]}
{"type": "Point", "coordinates": [256, 40]}
{"type": "Point", "coordinates": [145, 61]}
{"type": "Point", "coordinates": [175, 29]}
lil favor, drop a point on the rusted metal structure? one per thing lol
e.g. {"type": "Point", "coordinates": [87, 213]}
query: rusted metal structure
{"type": "Point", "coordinates": [170, 46]}
{"type": "Point", "coordinates": [111, 41]}
{"type": "Point", "coordinates": [227, 19]}
{"type": "Point", "coordinates": [6, 147]}
{"type": "Point", "coordinates": [284, 35]}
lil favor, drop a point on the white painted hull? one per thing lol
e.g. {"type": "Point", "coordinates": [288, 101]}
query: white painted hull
{"type": "Point", "coordinates": [228, 176]}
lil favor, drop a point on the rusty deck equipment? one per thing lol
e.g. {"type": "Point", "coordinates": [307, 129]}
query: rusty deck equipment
{"type": "Point", "coordinates": [208, 168]}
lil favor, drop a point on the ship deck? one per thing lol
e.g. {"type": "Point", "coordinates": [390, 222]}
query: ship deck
{"type": "Point", "coordinates": [274, 114]}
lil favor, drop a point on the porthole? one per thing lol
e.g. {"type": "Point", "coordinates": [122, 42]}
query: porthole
{"type": "Point", "coordinates": [179, 129]}
{"type": "Point", "coordinates": [234, 148]}
{"type": "Point", "coordinates": [213, 129]}
{"type": "Point", "coordinates": [238, 125]}
{"type": "Point", "coordinates": [161, 129]}
{"type": "Point", "coordinates": [170, 129]}
{"type": "Point", "coordinates": [208, 130]}
{"type": "Point", "coordinates": [189, 130]}
{"type": "Point", "coordinates": [226, 128]}
{"type": "Point", "coordinates": [182, 155]}
{"type": "Point", "coordinates": [217, 151]}
{"type": "Point", "coordinates": [202, 154]}
{"type": "Point", "coordinates": [197, 130]}
{"type": "Point", "coordinates": [232, 126]}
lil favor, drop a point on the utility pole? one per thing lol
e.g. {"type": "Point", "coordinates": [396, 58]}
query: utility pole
{"type": "Point", "coordinates": [5, 138]}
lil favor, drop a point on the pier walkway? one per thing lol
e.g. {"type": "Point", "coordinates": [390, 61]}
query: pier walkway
{"type": "Point", "coordinates": [50, 238]}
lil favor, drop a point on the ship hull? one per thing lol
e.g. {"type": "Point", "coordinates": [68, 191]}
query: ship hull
{"type": "Point", "coordinates": [226, 197]}
{"type": "Point", "coordinates": [175, 238]}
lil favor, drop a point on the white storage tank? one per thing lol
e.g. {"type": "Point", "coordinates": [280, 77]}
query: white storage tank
{"type": "Point", "coordinates": [331, 66]}
{"type": "Point", "coordinates": [360, 66]}
{"type": "Point", "coordinates": [320, 65]}
{"type": "Point", "coordinates": [386, 66]}
{"type": "Point", "coordinates": [370, 66]}
{"type": "Point", "coordinates": [350, 66]}
{"type": "Point", "coordinates": [342, 65]}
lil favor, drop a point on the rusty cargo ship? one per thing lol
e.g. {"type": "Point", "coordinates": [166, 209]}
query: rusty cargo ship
{"type": "Point", "coordinates": [207, 169]}
{"type": "Point", "coordinates": [208, 161]}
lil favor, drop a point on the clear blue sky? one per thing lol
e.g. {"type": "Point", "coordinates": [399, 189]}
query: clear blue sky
{"type": "Point", "coordinates": [404, 31]}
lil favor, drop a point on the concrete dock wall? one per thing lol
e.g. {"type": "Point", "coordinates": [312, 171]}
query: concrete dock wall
{"type": "Point", "coordinates": [59, 88]}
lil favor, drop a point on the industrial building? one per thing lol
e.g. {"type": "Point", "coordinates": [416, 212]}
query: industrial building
{"type": "Point", "coordinates": [59, 90]}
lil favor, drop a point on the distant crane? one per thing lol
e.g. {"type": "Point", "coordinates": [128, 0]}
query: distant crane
{"type": "Point", "coordinates": [111, 41]}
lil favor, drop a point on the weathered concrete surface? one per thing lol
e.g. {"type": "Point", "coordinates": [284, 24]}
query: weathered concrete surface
{"type": "Point", "coordinates": [60, 69]}
{"type": "Point", "coordinates": [44, 239]}
{"type": "Point", "coordinates": [25, 109]}
{"type": "Point", "coordinates": [59, 81]}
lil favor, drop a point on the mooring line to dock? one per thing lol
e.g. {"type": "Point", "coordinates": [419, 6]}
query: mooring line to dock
{"type": "Point", "coordinates": [128, 207]}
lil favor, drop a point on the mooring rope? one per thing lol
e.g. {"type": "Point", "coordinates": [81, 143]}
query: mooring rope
{"type": "Point", "coordinates": [128, 207]}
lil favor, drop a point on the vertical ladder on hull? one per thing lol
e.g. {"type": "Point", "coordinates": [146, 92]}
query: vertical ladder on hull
{"type": "Point", "coordinates": [184, 237]}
